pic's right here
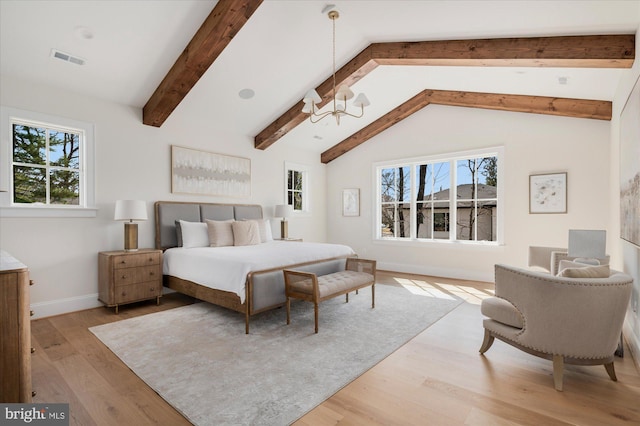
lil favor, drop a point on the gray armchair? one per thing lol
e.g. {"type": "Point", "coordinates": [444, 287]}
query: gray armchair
{"type": "Point", "coordinates": [567, 320]}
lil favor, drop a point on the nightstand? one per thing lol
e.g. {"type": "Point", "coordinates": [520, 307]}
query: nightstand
{"type": "Point", "coordinates": [289, 239]}
{"type": "Point", "coordinates": [129, 276]}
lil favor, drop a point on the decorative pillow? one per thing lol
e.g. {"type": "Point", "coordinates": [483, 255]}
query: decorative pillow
{"type": "Point", "coordinates": [600, 271]}
{"type": "Point", "coordinates": [194, 234]}
{"type": "Point", "coordinates": [179, 233]}
{"type": "Point", "coordinates": [245, 233]}
{"type": "Point", "coordinates": [220, 232]}
{"type": "Point", "coordinates": [564, 264]}
{"type": "Point", "coordinates": [264, 227]}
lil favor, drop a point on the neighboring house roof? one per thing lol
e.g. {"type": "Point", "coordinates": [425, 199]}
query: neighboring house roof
{"type": "Point", "coordinates": [485, 192]}
{"type": "Point", "coordinates": [464, 192]}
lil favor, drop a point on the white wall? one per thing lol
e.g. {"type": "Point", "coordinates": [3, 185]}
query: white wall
{"type": "Point", "coordinates": [625, 255]}
{"type": "Point", "coordinates": [133, 162]}
{"type": "Point", "coordinates": [533, 144]}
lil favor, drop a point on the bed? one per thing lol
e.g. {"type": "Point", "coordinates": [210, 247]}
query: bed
{"type": "Point", "coordinates": [246, 279]}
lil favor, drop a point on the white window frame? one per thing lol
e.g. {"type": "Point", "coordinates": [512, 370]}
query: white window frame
{"type": "Point", "coordinates": [304, 170]}
{"type": "Point", "coordinates": [8, 208]}
{"type": "Point", "coordinates": [412, 163]}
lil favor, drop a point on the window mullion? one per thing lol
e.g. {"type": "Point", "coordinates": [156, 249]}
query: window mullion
{"type": "Point", "coordinates": [453, 205]}
{"type": "Point", "coordinates": [47, 168]}
{"type": "Point", "coordinates": [413, 234]}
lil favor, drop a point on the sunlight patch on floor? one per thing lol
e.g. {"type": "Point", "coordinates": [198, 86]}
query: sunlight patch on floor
{"type": "Point", "coordinates": [445, 291]}
{"type": "Point", "coordinates": [422, 288]}
{"type": "Point", "coordinates": [469, 294]}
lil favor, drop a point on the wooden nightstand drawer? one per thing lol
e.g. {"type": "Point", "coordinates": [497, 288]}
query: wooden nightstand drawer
{"type": "Point", "coordinates": [125, 277]}
{"type": "Point", "coordinates": [136, 260]}
{"type": "Point", "coordinates": [128, 276]}
{"type": "Point", "coordinates": [140, 291]}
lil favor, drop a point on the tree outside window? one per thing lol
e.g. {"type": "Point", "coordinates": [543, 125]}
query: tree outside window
{"type": "Point", "coordinates": [46, 165]}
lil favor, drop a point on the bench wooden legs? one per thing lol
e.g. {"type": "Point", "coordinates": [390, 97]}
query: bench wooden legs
{"type": "Point", "coordinates": [315, 315]}
{"type": "Point", "coordinates": [288, 311]}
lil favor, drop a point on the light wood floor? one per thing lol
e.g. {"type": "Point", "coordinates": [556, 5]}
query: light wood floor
{"type": "Point", "coordinates": [437, 378]}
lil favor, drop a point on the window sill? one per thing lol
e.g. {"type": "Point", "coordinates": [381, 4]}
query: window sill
{"type": "Point", "coordinates": [39, 211]}
{"type": "Point", "coordinates": [447, 244]}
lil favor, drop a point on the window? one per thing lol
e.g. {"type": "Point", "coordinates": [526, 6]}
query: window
{"type": "Point", "coordinates": [297, 193]}
{"type": "Point", "coordinates": [49, 165]}
{"type": "Point", "coordinates": [452, 198]}
{"type": "Point", "coordinates": [46, 165]}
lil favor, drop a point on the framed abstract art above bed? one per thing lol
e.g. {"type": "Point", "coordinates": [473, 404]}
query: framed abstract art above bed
{"type": "Point", "coordinates": [630, 167]}
{"type": "Point", "coordinates": [201, 172]}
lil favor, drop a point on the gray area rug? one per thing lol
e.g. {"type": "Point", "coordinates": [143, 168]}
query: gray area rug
{"type": "Point", "coordinates": [199, 359]}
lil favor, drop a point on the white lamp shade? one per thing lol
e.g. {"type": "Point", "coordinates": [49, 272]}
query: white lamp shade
{"type": "Point", "coordinates": [344, 93]}
{"type": "Point", "coordinates": [361, 100]}
{"type": "Point", "coordinates": [283, 210]}
{"type": "Point", "coordinates": [130, 210]}
{"type": "Point", "coordinates": [312, 96]}
{"type": "Point", "coordinates": [587, 243]}
{"type": "Point", "coordinates": [307, 108]}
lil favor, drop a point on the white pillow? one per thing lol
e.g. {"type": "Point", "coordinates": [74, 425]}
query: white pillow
{"type": "Point", "coordinates": [220, 232]}
{"type": "Point", "coordinates": [194, 234]}
{"type": "Point", "coordinates": [245, 233]}
{"type": "Point", "coordinates": [264, 227]}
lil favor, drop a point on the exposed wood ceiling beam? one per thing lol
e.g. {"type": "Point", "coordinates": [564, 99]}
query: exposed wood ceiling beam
{"type": "Point", "coordinates": [598, 51]}
{"type": "Point", "coordinates": [216, 32]}
{"type": "Point", "coordinates": [581, 108]}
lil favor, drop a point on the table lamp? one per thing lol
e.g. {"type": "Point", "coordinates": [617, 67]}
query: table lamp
{"type": "Point", "coordinates": [130, 210]}
{"type": "Point", "coordinates": [284, 211]}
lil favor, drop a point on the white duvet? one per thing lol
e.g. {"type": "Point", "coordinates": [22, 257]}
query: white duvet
{"type": "Point", "coordinates": [226, 268]}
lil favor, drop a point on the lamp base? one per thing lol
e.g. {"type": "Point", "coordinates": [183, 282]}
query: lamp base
{"type": "Point", "coordinates": [284, 229]}
{"type": "Point", "coordinates": [131, 237]}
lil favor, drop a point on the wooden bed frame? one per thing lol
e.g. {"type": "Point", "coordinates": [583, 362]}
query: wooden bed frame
{"type": "Point", "coordinates": [264, 289]}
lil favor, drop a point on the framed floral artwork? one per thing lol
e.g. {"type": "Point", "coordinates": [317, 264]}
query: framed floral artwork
{"type": "Point", "coordinates": [351, 202]}
{"type": "Point", "coordinates": [548, 193]}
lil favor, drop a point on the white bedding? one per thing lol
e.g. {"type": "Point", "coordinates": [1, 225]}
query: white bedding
{"type": "Point", "coordinates": [226, 268]}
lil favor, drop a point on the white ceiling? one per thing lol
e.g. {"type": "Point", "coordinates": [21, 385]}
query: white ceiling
{"type": "Point", "coordinates": [285, 49]}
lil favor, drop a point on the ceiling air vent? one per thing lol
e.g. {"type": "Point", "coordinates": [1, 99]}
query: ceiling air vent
{"type": "Point", "coordinates": [67, 57]}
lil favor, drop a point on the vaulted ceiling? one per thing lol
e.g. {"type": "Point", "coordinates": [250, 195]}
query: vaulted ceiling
{"type": "Point", "coordinates": [194, 57]}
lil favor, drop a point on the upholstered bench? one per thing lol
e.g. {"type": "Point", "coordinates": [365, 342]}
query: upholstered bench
{"type": "Point", "coordinates": [358, 273]}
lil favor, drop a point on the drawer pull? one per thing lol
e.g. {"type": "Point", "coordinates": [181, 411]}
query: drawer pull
{"type": "Point", "coordinates": [33, 350]}
{"type": "Point", "coordinates": [31, 313]}
{"type": "Point", "coordinates": [30, 282]}
{"type": "Point", "coordinates": [33, 393]}
{"type": "Point", "coordinates": [123, 262]}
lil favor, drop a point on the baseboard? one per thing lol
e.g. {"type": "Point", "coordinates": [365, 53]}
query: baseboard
{"type": "Point", "coordinates": [458, 273]}
{"type": "Point", "coordinates": [633, 342]}
{"type": "Point", "coordinates": [64, 306]}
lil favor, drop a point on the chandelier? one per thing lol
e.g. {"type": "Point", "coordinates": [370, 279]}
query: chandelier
{"type": "Point", "coordinates": [340, 96]}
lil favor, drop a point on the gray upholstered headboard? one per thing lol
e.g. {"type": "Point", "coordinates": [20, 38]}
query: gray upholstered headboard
{"type": "Point", "coordinates": [167, 212]}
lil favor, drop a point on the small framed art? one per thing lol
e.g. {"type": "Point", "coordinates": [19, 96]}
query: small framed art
{"type": "Point", "coordinates": [351, 202]}
{"type": "Point", "coordinates": [548, 193]}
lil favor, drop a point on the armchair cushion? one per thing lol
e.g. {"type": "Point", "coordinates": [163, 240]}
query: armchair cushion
{"type": "Point", "coordinates": [502, 311]}
{"type": "Point", "coordinates": [583, 271]}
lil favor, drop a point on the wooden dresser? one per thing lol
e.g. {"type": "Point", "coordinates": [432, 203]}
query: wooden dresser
{"type": "Point", "coordinates": [15, 331]}
{"type": "Point", "coordinates": [129, 276]}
